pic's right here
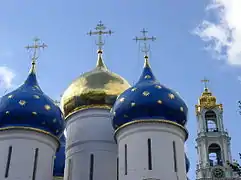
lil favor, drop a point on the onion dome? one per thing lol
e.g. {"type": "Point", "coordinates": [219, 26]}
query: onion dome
{"type": "Point", "coordinates": [96, 88]}
{"type": "Point", "coordinates": [29, 108]}
{"type": "Point", "coordinates": [148, 99]}
{"type": "Point", "coordinates": [59, 162]}
{"type": "Point", "coordinates": [187, 163]}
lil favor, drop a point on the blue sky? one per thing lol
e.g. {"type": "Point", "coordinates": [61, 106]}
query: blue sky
{"type": "Point", "coordinates": [181, 56]}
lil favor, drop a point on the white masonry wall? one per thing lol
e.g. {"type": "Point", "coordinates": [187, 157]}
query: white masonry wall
{"type": "Point", "coordinates": [162, 135]}
{"type": "Point", "coordinates": [23, 144]}
{"type": "Point", "coordinates": [90, 132]}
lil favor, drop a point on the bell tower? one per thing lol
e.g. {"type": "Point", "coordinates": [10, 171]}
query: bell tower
{"type": "Point", "coordinates": [213, 141]}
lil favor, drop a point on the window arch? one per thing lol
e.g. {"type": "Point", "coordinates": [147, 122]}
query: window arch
{"type": "Point", "coordinates": [214, 155]}
{"type": "Point", "coordinates": [211, 121]}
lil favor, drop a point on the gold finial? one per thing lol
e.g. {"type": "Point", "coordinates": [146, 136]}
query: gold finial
{"type": "Point", "coordinates": [36, 46]}
{"type": "Point", "coordinates": [100, 31]}
{"type": "Point", "coordinates": [145, 48]}
{"type": "Point", "coordinates": [205, 81]}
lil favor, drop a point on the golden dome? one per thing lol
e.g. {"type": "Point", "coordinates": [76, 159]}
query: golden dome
{"type": "Point", "coordinates": [208, 101]}
{"type": "Point", "coordinates": [96, 88]}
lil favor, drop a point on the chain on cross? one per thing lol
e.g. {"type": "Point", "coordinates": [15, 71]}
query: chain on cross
{"type": "Point", "coordinates": [35, 47]}
{"type": "Point", "coordinates": [100, 31]}
{"type": "Point", "coordinates": [144, 38]}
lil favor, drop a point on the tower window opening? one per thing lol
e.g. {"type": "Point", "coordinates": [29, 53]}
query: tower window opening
{"type": "Point", "coordinates": [211, 121]}
{"type": "Point", "coordinates": [117, 169]}
{"type": "Point", "coordinates": [174, 155]}
{"type": "Point", "coordinates": [91, 167]}
{"type": "Point", "coordinates": [125, 159]}
{"type": "Point", "coordinates": [10, 149]}
{"type": "Point", "coordinates": [214, 153]}
{"type": "Point", "coordinates": [149, 155]}
{"type": "Point", "coordinates": [35, 163]}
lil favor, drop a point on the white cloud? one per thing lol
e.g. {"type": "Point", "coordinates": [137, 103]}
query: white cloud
{"type": "Point", "coordinates": [6, 77]}
{"type": "Point", "coordinates": [222, 33]}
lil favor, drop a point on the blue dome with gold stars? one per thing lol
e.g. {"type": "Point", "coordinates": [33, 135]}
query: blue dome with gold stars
{"type": "Point", "coordinates": [148, 99]}
{"type": "Point", "coordinates": [59, 162]}
{"type": "Point", "coordinates": [28, 107]}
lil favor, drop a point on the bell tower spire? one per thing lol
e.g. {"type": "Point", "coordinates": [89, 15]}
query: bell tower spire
{"type": "Point", "coordinates": [213, 142]}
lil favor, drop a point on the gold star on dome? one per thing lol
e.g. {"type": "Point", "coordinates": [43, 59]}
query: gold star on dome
{"type": "Point", "coordinates": [171, 96]}
{"type": "Point", "coordinates": [57, 131]}
{"type": "Point", "coordinates": [7, 112]}
{"type": "Point", "coordinates": [133, 89]}
{"type": "Point", "coordinates": [36, 87]}
{"type": "Point", "coordinates": [34, 113]}
{"type": "Point", "coordinates": [54, 120]}
{"type": "Point", "coordinates": [36, 96]}
{"type": "Point", "coordinates": [122, 99]}
{"type": "Point", "coordinates": [133, 104]}
{"type": "Point", "coordinates": [10, 96]}
{"type": "Point", "coordinates": [147, 77]}
{"type": "Point", "coordinates": [146, 93]}
{"type": "Point", "coordinates": [158, 86]}
{"type": "Point", "coordinates": [181, 109]}
{"type": "Point", "coordinates": [159, 101]}
{"type": "Point", "coordinates": [43, 122]}
{"type": "Point", "coordinates": [47, 107]}
{"type": "Point", "coordinates": [125, 116]}
{"type": "Point", "coordinates": [22, 102]}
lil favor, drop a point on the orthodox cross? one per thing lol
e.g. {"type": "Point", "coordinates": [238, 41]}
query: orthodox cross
{"type": "Point", "coordinates": [100, 31]}
{"type": "Point", "coordinates": [144, 38]}
{"type": "Point", "coordinates": [35, 47]}
{"type": "Point", "coordinates": [205, 81]}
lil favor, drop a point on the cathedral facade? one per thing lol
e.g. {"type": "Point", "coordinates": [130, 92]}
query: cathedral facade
{"type": "Point", "coordinates": [114, 131]}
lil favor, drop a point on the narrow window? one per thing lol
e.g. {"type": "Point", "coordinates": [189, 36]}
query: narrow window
{"type": "Point", "coordinates": [10, 149]}
{"type": "Point", "coordinates": [174, 156]}
{"type": "Point", "coordinates": [52, 165]}
{"type": "Point", "coordinates": [117, 168]}
{"type": "Point", "coordinates": [35, 163]}
{"type": "Point", "coordinates": [125, 159]}
{"type": "Point", "coordinates": [149, 155]}
{"type": "Point", "coordinates": [69, 169]}
{"type": "Point", "coordinates": [91, 166]}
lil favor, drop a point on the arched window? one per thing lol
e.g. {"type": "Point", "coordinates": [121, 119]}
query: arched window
{"type": "Point", "coordinates": [214, 154]}
{"type": "Point", "coordinates": [211, 121]}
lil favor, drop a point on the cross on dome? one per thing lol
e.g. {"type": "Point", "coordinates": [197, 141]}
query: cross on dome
{"type": "Point", "coordinates": [144, 38]}
{"type": "Point", "coordinates": [205, 81]}
{"type": "Point", "coordinates": [100, 32]}
{"type": "Point", "coordinates": [35, 47]}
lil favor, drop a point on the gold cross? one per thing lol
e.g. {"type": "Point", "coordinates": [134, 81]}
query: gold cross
{"type": "Point", "coordinates": [36, 46]}
{"type": "Point", "coordinates": [100, 31]}
{"type": "Point", "coordinates": [205, 81]}
{"type": "Point", "coordinates": [146, 48]}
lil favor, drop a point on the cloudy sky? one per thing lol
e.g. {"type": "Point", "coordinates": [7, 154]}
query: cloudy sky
{"type": "Point", "coordinates": [194, 39]}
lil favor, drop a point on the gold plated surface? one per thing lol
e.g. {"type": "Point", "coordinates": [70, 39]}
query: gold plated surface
{"type": "Point", "coordinates": [207, 101]}
{"type": "Point", "coordinates": [98, 87]}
